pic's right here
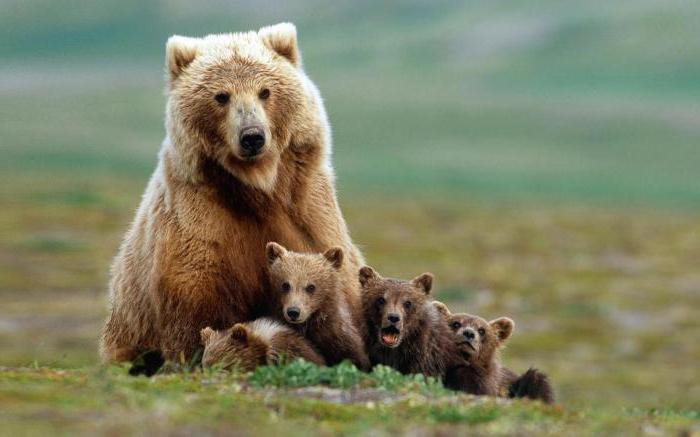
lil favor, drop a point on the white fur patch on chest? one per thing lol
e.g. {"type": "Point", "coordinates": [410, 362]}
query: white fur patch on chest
{"type": "Point", "coordinates": [266, 328]}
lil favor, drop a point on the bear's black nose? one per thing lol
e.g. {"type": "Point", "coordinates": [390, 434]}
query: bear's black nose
{"type": "Point", "coordinates": [393, 317]}
{"type": "Point", "coordinates": [469, 333]}
{"type": "Point", "coordinates": [252, 140]}
{"type": "Point", "coordinates": [293, 313]}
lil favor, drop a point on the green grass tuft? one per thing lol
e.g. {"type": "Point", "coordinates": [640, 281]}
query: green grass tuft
{"type": "Point", "coordinates": [300, 373]}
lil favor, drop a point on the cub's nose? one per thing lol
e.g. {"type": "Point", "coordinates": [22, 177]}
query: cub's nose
{"type": "Point", "coordinates": [293, 313]}
{"type": "Point", "coordinates": [469, 333]}
{"type": "Point", "coordinates": [393, 318]}
{"type": "Point", "coordinates": [252, 139]}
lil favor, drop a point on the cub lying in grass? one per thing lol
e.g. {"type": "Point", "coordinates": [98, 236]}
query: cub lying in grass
{"type": "Point", "coordinates": [260, 342]}
{"type": "Point", "coordinates": [482, 373]}
{"type": "Point", "coordinates": [316, 303]}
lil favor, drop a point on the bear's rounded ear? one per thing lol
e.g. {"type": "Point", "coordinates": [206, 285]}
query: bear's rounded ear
{"type": "Point", "coordinates": [367, 275]}
{"type": "Point", "coordinates": [442, 309]}
{"type": "Point", "coordinates": [423, 282]}
{"type": "Point", "coordinates": [205, 335]}
{"type": "Point", "coordinates": [503, 327]}
{"type": "Point", "coordinates": [282, 39]}
{"type": "Point", "coordinates": [274, 251]}
{"type": "Point", "coordinates": [180, 51]}
{"type": "Point", "coordinates": [335, 256]}
{"type": "Point", "coordinates": [239, 332]}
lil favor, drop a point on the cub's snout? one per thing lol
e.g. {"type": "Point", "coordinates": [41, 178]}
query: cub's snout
{"type": "Point", "coordinates": [292, 314]}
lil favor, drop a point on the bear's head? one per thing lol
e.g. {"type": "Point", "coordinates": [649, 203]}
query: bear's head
{"type": "Point", "coordinates": [237, 347]}
{"type": "Point", "coordinates": [394, 309]}
{"type": "Point", "coordinates": [477, 340]}
{"type": "Point", "coordinates": [239, 100]}
{"type": "Point", "coordinates": [304, 281]}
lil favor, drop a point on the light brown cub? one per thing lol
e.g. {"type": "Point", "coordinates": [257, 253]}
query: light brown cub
{"type": "Point", "coordinates": [251, 344]}
{"type": "Point", "coordinates": [316, 301]}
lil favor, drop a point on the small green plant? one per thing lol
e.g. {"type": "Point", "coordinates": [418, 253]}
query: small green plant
{"type": "Point", "coordinates": [344, 375]}
{"type": "Point", "coordinates": [300, 373]}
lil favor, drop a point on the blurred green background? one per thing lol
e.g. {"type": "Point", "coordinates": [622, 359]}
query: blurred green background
{"type": "Point", "coordinates": [541, 158]}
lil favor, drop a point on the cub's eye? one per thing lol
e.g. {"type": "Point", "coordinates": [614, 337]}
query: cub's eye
{"type": "Point", "coordinates": [310, 288]}
{"type": "Point", "coordinates": [456, 325]}
{"type": "Point", "coordinates": [482, 332]}
{"type": "Point", "coordinates": [381, 301]}
{"type": "Point", "coordinates": [286, 287]}
{"type": "Point", "coordinates": [222, 98]}
{"type": "Point", "coordinates": [264, 94]}
{"type": "Point", "coordinates": [407, 304]}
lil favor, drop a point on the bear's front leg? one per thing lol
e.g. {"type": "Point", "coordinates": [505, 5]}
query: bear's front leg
{"type": "Point", "coordinates": [183, 312]}
{"type": "Point", "coordinates": [357, 354]}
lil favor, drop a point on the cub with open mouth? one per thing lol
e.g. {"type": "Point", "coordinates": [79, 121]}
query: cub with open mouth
{"type": "Point", "coordinates": [479, 343]}
{"type": "Point", "coordinates": [315, 302]}
{"type": "Point", "coordinates": [404, 330]}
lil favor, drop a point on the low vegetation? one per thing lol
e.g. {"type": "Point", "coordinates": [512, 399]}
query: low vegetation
{"type": "Point", "coordinates": [297, 398]}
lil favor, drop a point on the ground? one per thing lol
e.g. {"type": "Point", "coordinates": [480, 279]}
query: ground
{"type": "Point", "coordinates": [41, 400]}
{"type": "Point", "coordinates": [540, 160]}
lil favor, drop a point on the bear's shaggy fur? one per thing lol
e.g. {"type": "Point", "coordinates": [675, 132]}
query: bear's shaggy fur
{"type": "Point", "coordinates": [403, 329]}
{"type": "Point", "coordinates": [316, 302]}
{"type": "Point", "coordinates": [481, 373]}
{"type": "Point", "coordinates": [260, 342]}
{"type": "Point", "coordinates": [195, 253]}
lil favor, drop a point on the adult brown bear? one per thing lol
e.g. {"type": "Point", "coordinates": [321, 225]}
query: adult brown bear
{"type": "Point", "coordinates": [246, 160]}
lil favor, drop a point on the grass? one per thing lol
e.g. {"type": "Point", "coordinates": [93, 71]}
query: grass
{"type": "Point", "coordinates": [97, 400]}
{"type": "Point", "coordinates": [344, 376]}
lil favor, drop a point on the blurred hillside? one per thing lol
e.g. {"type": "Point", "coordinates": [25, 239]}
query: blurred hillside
{"type": "Point", "coordinates": [556, 100]}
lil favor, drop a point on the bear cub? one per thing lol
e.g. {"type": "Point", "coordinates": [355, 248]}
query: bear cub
{"type": "Point", "coordinates": [404, 330]}
{"type": "Point", "coordinates": [479, 342]}
{"type": "Point", "coordinates": [260, 342]}
{"type": "Point", "coordinates": [316, 303]}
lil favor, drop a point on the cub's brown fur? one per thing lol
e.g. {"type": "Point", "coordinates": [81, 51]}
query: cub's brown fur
{"type": "Point", "coordinates": [251, 344]}
{"type": "Point", "coordinates": [246, 160]}
{"type": "Point", "coordinates": [315, 301]}
{"type": "Point", "coordinates": [479, 342]}
{"type": "Point", "coordinates": [403, 329]}
{"type": "Point", "coordinates": [532, 384]}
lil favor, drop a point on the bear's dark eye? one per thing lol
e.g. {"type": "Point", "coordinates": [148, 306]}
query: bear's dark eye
{"type": "Point", "coordinates": [482, 332]}
{"type": "Point", "coordinates": [286, 287]}
{"type": "Point", "coordinates": [222, 98]}
{"type": "Point", "coordinates": [407, 304]}
{"type": "Point", "coordinates": [456, 325]}
{"type": "Point", "coordinates": [264, 94]}
{"type": "Point", "coordinates": [310, 288]}
{"type": "Point", "coordinates": [381, 301]}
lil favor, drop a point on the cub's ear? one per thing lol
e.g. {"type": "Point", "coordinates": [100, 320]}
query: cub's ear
{"type": "Point", "coordinates": [239, 333]}
{"type": "Point", "coordinates": [442, 309]}
{"type": "Point", "coordinates": [367, 275]}
{"type": "Point", "coordinates": [424, 282]}
{"type": "Point", "coordinates": [503, 327]}
{"type": "Point", "coordinates": [180, 51]}
{"type": "Point", "coordinates": [205, 335]}
{"type": "Point", "coordinates": [282, 39]}
{"type": "Point", "coordinates": [274, 251]}
{"type": "Point", "coordinates": [335, 256]}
